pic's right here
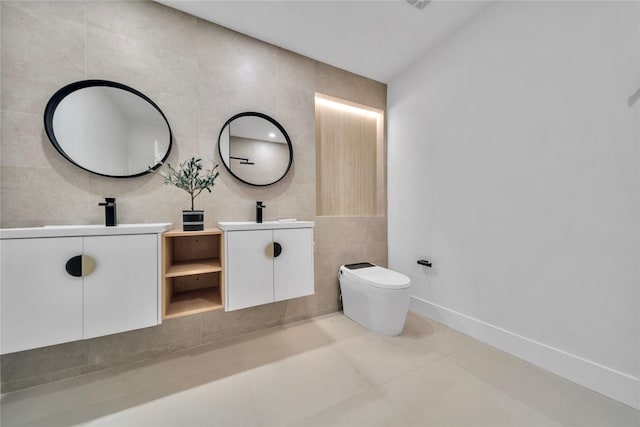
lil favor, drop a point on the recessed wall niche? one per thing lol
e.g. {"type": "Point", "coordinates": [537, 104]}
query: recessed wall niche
{"type": "Point", "coordinates": [349, 158]}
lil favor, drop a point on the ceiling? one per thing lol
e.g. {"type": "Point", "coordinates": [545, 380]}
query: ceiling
{"type": "Point", "coordinates": [373, 38]}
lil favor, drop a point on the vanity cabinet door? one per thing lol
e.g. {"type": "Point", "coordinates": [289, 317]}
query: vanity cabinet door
{"type": "Point", "coordinates": [293, 268]}
{"type": "Point", "coordinates": [41, 302]}
{"type": "Point", "coordinates": [122, 293]}
{"type": "Point", "coordinates": [249, 268]}
{"type": "Point", "coordinates": [263, 266]}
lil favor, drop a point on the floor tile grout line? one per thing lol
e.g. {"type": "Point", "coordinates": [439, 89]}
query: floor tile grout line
{"type": "Point", "coordinates": [540, 370]}
{"type": "Point", "coordinates": [351, 364]}
{"type": "Point", "coordinates": [125, 394]}
{"type": "Point", "coordinates": [390, 404]}
{"type": "Point", "coordinates": [34, 387]}
{"type": "Point", "coordinates": [359, 374]}
{"type": "Point", "coordinates": [52, 417]}
{"type": "Point", "coordinates": [377, 387]}
{"type": "Point", "coordinates": [230, 366]}
{"type": "Point", "coordinates": [327, 408]}
{"type": "Point", "coordinates": [128, 393]}
{"type": "Point", "coordinates": [225, 343]}
{"type": "Point", "coordinates": [430, 362]}
{"type": "Point", "coordinates": [509, 394]}
{"type": "Point", "coordinates": [442, 356]}
{"type": "Point", "coordinates": [251, 394]}
{"type": "Point", "coordinates": [289, 327]}
{"type": "Point", "coordinates": [146, 389]}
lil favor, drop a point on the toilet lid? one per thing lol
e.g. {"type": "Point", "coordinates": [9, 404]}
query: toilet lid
{"type": "Point", "coordinates": [381, 277]}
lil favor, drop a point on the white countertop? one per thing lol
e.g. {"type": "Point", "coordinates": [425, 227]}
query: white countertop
{"type": "Point", "coordinates": [83, 230]}
{"type": "Point", "coordinates": [266, 225]}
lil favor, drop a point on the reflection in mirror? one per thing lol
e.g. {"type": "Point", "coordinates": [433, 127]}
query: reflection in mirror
{"type": "Point", "coordinates": [255, 149]}
{"type": "Point", "coordinates": [107, 128]}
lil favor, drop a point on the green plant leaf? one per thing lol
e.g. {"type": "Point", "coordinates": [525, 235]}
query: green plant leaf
{"type": "Point", "coordinates": [190, 177]}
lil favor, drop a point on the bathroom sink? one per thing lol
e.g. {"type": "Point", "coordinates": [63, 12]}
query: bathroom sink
{"type": "Point", "coordinates": [265, 225]}
{"type": "Point", "coordinates": [83, 230]}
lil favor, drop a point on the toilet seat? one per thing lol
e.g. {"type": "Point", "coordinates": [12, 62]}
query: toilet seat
{"type": "Point", "coordinates": [379, 277]}
{"type": "Point", "coordinates": [375, 297]}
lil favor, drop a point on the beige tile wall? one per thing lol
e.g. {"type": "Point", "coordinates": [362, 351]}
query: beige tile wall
{"type": "Point", "coordinates": [200, 74]}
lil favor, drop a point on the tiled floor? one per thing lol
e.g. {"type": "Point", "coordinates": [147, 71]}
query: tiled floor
{"type": "Point", "coordinates": [323, 372]}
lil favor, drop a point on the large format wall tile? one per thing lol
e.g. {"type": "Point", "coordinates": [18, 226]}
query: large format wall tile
{"type": "Point", "coordinates": [44, 33]}
{"type": "Point", "coordinates": [296, 70]}
{"type": "Point", "coordinates": [149, 22]}
{"type": "Point", "coordinates": [199, 74]}
{"type": "Point", "coordinates": [22, 141]}
{"type": "Point", "coordinates": [33, 367]}
{"type": "Point", "coordinates": [26, 89]}
{"type": "Point", "coordinates": [28, 192]}
{"type": "Point", "coordinates": [53, 358]}
{"type": "Point", "coordinates": [42, 50]}
{"type": "Point", "coordinates": [172, 335]}
{"type": "Point", "coordinates": [328, 293]}
{"type": "Point", "coordinates": [131, 61]}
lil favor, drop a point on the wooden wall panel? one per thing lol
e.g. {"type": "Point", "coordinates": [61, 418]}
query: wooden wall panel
{"type": "Point", "coordinates": [347, 166]}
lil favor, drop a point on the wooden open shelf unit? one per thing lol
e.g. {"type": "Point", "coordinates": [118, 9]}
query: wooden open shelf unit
{"type": "Point", "coordinates": [192, 276]}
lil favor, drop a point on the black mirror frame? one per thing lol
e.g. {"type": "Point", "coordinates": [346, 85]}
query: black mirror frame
{"type": "Point", "coordinates": [280, 128]}
{"type": "Point", "coordinates": [57, 97]}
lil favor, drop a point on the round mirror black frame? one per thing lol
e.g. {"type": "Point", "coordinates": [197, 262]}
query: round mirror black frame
{"type": "Point", "coordinates": [70, 88]}
{"type": "Point", "coordinates": [280, 128]}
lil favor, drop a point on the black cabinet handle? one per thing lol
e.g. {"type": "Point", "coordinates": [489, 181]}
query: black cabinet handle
{"type": "Point", "coordinates": [277, 249]}
{"type": "Point", "coordinates": [74, 266]}
{"type": "Point", "coordinates": [80, 265]}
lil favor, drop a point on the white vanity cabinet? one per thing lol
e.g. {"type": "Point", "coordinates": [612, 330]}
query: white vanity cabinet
{"type": "Point", "coordinates": [122, 293]}
{"type": "Point", "coordinates": [293, 268]}
{"type": "Point", "coordinates": [248, 268]}
{"type": "Point", "coordinates": [43, 304]}
{"type": "Point", "coordinates": [264, 264]}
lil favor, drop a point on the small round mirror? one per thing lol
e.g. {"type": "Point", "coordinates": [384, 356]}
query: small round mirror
{"type": "Point", "coordinates": [107, 128]}
{"type": "Point", "coordinates": [255, 149]}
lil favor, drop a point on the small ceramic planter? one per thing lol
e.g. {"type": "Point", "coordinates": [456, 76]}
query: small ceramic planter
{"type": "Point", "coordinates": [192, 220]}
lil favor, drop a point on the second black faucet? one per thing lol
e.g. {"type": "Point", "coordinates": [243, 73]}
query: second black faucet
{"type": "Point", "coordinates": [109, 211]}
{"type": "Point", "coordinates": [259, 207]}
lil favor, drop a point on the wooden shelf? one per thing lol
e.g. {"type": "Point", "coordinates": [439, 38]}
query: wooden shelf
{"type": "Point", "coordinates": [193, 281]}
{"type": "Point", "coordinates": [180, 233]}
{"type": "Point", "coordinates": [192, 302]}
{"type": "Point", "coordinates": [199, 266]}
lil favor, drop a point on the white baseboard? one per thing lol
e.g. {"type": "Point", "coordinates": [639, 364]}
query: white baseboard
{"type": "Point", "coordinates": [609, 382]}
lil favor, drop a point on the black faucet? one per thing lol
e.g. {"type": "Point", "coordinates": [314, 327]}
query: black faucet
{"type": "Point", "coordinates": [259, 207]}
{"type": "Point", "coordinates": [109, 211]}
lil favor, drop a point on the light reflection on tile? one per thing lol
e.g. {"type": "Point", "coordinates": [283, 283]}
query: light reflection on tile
{"type": "Point", "coordinates": [325, 371]}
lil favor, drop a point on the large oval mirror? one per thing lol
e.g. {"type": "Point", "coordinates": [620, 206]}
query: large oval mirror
{"type": "Point", "coordinates": [107, 128]}
{"type": "Point", "coordinates": [255, 149]}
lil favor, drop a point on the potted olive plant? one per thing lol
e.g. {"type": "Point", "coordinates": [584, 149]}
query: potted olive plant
{"type": "Point", "coordinates": [192, 178]}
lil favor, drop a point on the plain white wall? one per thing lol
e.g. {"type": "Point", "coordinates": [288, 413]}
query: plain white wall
{"type": "Point", "coordinates": [513, 166]}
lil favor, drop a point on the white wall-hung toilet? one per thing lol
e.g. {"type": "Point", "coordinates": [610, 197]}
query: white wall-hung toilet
{"type": "Point", "coordinates": [375, 297]}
